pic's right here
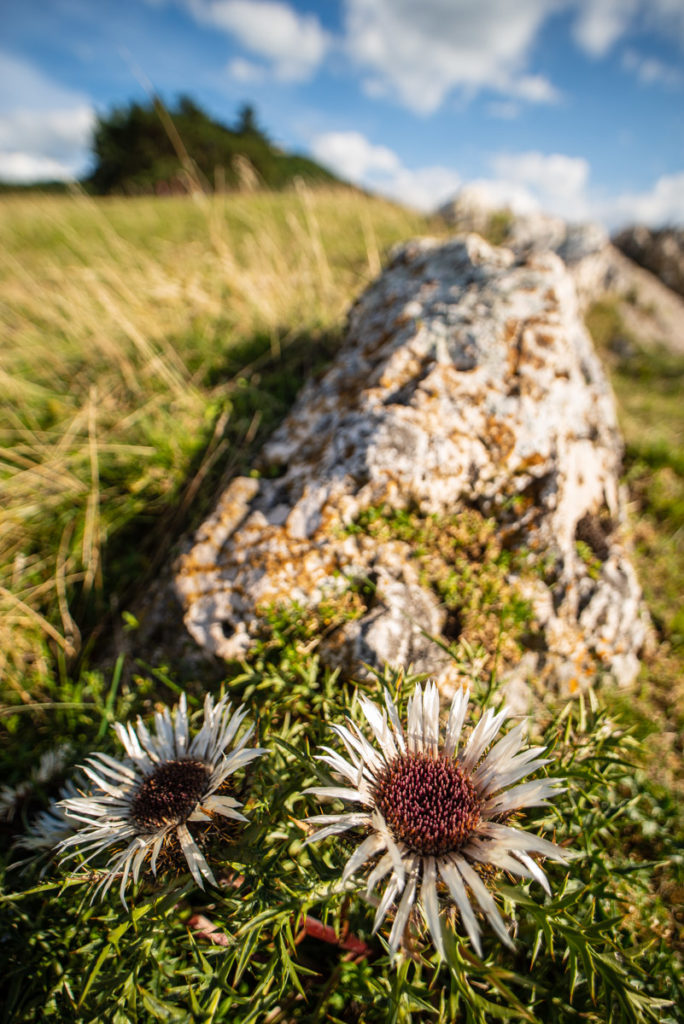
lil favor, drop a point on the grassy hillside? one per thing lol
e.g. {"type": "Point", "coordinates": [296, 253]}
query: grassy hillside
{"type": "Point", "coordinates": [149, 345]}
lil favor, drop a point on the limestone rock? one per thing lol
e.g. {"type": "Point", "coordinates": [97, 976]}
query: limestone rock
{"type": "Point", "coordinates": [583, 247]}
{"type": "Point", "coordinates": [652, 311]}
{"type": "Point", "coordinates": [467, 386]}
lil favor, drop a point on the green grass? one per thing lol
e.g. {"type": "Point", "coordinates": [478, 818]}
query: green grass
{"type": "Point", "coordinates": [648, 387]}
{"type": "Point", "coordinates": [150, 346]}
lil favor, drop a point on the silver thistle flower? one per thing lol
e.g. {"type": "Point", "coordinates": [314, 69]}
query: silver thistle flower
{"type": "Point", "coordinates": [434, 815]}
{"type": "Point", "coordinates": [166, 782]}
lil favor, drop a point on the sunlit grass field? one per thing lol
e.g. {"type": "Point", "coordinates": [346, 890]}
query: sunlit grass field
{"type": "Point", "coordinates": [148, 347]}
{"type": "Point", "coordinates": [147, 343]}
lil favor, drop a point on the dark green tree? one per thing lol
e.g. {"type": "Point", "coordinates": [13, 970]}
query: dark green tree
{"type": "Point", "coordinates": [247, 123]}
{"type": "Point", "coordinates": [153, 147]}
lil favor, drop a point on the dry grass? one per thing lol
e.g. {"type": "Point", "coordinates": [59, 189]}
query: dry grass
{"type": "Point", "coordinates": [118, 319]}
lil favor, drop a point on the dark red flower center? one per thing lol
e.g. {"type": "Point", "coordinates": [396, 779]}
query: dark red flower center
{"type": "Point", "coordinates": [170, 794]}
{"type": "Point", "coordinates": [429, 803]}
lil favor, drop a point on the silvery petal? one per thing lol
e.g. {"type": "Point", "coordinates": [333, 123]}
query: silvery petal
{"type": "Point", "coordinates": [368, 848]}
{"type": "Point", "coordinates": [387, 899]}
{"type": "Point", "coordinates": [381, 730]}
{"type": "Point", "coordinates": [485, 899]}
{"type": "Point", "coordinates": [403, 911]}
{"type": "Point", "coordinates": [379, 825]}
{"type": "Point", "coordinates": [382, 868]}
{"type": "Point", "coordinates": [482, 735]}
{"type": "Point", "coordinates": [428, 899]}
{"type": "Point", "coordinates": [534, 869]}
{"type": "Point", "coordinates": [459, 895]}
{"type": "Point", "coordinates": [459, 706]}
{"type": "Point", "coordinates": [333, 793]}
{"type": "Point", "coordinates": [516, 839]}
{"type": "Point", "coordinates": [196, 862]}
{"type": "Point", "coordinates": [415, 721]}
{"type": "Point", "coordinates": [499, 757]}
{"type": "Point", "coordinates": [529, 794]}
{"type": "Point", "coordinates": [395, 723]}
{"type": "Point", "coordinates": [431, 719]}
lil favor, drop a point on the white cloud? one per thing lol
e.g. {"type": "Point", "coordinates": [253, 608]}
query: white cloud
{"type": "Point", "coordinates": [294, 44]}
{"type": "Point", "coordinates": [559, 184]}
{"type": "Point", "coordinates": [418, 53]}
{"type": "Point", "coordinates": [45, 133]}
{"type": "Point", "coordinates": [26, 86]}
{"type": "Point", "coordinates": [24, 168]}
{"type": "Point", "coordinates": [492, 194]}
{"type": "Point", "coordinates": [660, 205]}
{"type": "Point", "coordinates": [379, 168]}
{"type": "Point", "coordinates": [666, 16]}
{"type": "Point", "coordinates": [554, 173]}
{"type": "Point", "coordinates": [352, 156]}
{"type": "Point", "coordinates": [425, 188]}
{"type": "Point", "coordinates": [601, 22]}
{"type": "Point", "coordinates": [528, 182]}
{"type": "Point", "coordinates": [246, 71]}
{"type": "Point", "coordinates": [535, 89]}
{"type": "Point", "coordinates": [57, 134]}
{"type": "Point", "coordinates": [649, 70]}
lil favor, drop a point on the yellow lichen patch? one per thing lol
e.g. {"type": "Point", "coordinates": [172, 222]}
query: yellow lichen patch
{"type": "Point", "coordinates": [500, 437]}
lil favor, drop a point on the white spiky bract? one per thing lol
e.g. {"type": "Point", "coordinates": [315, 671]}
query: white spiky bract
{"type": "Point", "coordinates": [492, 775]}
{"type": "Point", "coordinates": [107, 812]}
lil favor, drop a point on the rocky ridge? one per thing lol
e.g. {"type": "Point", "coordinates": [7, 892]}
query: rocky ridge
{"type": "Point", "coordinates": [638, 270]}
{"type": "Point", "coordinates": [466, 400]}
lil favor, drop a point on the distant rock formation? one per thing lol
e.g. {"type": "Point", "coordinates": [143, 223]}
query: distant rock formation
{"type": "Point", "coordinates": [459, 456]}
{"type": "Point", "coordinates": [661, 252]}
{"type": "Point", "coordinates": [651, 310]}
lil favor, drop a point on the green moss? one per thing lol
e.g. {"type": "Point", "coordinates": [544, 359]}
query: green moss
{"type": "Point", "coordinates": [605, 324]}
{"type": "Point", "coordinates": [592, 563]}
{"type": "Point", "coordinates": [462, 559]}
{"type": "Point", "coordinates": [498, 227]}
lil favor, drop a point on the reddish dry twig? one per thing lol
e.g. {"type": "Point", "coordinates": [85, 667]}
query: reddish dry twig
{"type": "Point", "coordinates": [206, 929]}
{"type": "Point", "coordinates": [309, 926]}
{"type": "Point", "coordinates": [315, 929]}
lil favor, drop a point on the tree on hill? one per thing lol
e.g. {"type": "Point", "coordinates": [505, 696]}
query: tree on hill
{"type": "Point", "coordinates": [247, 123]}
{"type": "Point", "coordinates": [150, 148]}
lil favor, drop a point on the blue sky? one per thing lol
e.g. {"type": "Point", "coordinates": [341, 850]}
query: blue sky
{"type": "Point", "coordinates": [572, 106]}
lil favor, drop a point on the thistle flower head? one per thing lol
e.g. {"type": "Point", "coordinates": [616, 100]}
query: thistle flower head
{"type": "Point", "coordinates": [436, 816]}
{"type": "Point", "coordinates": [166, 787]}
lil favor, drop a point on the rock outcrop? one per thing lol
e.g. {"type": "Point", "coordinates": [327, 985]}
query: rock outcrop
{"type": "Point", "coordinates": [583, 247]}
{"type": "Point", "coordinates": [453, 475]}
{"type": "Point", "coordinates": [661, 252]}
{"type": "Point", "coordinates": [647, 299]}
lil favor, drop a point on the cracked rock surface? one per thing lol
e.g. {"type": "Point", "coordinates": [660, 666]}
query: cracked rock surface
{"type": "Point", "coordinates": [466, 381]}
